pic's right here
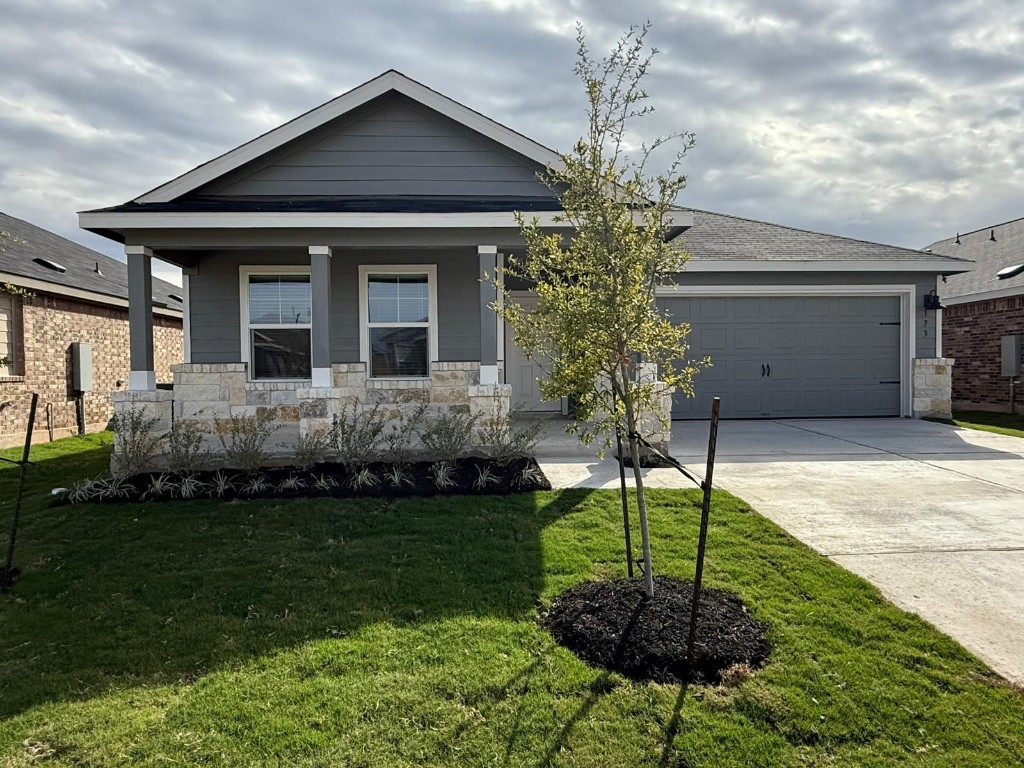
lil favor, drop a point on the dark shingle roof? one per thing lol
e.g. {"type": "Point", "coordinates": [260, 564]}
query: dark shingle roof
{"type": "Point", "coordinates": [989, 257]}
{"type": "Point", "coordinates": [720, 236]}
{"type": "Point", "coordinates": [26, 242]}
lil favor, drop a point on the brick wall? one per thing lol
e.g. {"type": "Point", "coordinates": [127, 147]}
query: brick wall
{"type": "Point", "coordinates": [49, 324]}
{"type": "Point", "coordinates": [971, 334]}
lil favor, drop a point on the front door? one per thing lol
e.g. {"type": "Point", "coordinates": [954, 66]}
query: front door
{"type": "Point", "coordinates": [522, 372]}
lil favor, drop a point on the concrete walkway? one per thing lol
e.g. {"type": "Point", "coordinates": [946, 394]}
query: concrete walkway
{"type": "Point", "coordinates": [933, 515]}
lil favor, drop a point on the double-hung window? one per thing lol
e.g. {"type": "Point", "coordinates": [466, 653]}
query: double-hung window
{"type": "Point", "coordinates": [399, 323]}
{"type": "Point", "coordinates": [10, 352]}
{"type": "Point", "coordinates": [277, 321]}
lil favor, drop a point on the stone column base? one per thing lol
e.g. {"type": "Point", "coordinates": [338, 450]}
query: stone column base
{"type": "Point", "coordinates": [933, 388]}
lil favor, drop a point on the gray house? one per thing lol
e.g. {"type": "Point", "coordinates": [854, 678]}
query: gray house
{"type": "Point", "coordinates": [341, 256]}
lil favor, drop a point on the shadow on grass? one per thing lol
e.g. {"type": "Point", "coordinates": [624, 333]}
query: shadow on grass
{"type": "Point", "coordinates": [115, 596]}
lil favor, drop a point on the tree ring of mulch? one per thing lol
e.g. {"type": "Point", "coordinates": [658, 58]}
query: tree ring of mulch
{"type": "Point", "coordinates": [615, 626]}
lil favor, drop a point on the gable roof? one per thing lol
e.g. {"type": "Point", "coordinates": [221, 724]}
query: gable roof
{"type": "Point", "coordinates": [989, 257]}
{"type": "Point", "coordinates": [390, 81]}
{"type": "Point", "coordinates": [27, 243]}
{"type": "Point", "coordinates": [719, 241]}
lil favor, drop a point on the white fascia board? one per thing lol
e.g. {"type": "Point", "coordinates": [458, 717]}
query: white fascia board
{"type": "Point", "coordinates": [824, 265]}
{"type": "Point", "coordinates": [336, 108]}
{"type": "Point", "coordinates": [121, 220]}
{"type": "Point", "coordinates": [77, 293]}
{"type": "Point", "coordinates": [1001, 293]}
{"type": "Point", "coordinates": [843, 289]}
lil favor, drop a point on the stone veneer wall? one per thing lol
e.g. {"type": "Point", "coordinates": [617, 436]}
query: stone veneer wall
{"type": "Point", "coordinates": [214, 393]}
{"type": "Point", "coordinates": [47, 324]}
{"type": "Point", "coordinates": [933, 388]}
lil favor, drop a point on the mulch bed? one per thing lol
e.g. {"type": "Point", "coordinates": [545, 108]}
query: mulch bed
{"type": "Point", "coordinates": [520, 476]}
{"type": "Point", "coordinates": [613, 625]}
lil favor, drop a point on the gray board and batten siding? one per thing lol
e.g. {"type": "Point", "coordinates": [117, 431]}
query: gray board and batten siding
{"type": "Point", "coordinates": [392, 146]}
{"type": "Point", "coordinates": [793, 356]}
{"type": "Point", "coordinates": [216, 321]}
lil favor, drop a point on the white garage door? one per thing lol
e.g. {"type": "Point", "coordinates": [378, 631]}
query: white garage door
{"type": "Point", "coordinates": [792, 356]}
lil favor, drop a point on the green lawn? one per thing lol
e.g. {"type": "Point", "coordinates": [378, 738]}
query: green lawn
{"type": "Point", "coordinates": [402, 633]}
{"type": "Point", "coordinates": [1000, 423]}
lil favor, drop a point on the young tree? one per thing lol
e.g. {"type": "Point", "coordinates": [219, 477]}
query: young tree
{"type": "Point", "coordinates": [596, 318]}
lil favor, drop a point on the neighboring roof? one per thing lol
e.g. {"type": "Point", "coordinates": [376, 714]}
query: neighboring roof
{"type": "Point", "coordinates": [989, 257]}
{"type": "Point", "coordinates": [390, 204]}
{"type": "Point", "coordinates": [26, 243]}
{"type": "Point", "coordinates": [716, 238]}
{"type": "Point", "coordinates": [390, 81]}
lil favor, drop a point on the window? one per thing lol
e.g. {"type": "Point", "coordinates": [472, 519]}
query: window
{"type": "Point", "coordinates": [399, 327]}
{"type": "Point", "coordinates": [277, 316]}
{"type": "Point", "coordinates": [10, 352]}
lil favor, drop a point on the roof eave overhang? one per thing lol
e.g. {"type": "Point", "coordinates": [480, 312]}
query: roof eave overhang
{"type": "Point", "coordinates": [79, 294]}
{"type": "Point", "coordinates": [932, 266]}
{"type": "Point", "coordinates": [113, 224]}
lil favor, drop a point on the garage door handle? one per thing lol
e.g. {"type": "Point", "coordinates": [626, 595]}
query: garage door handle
{"type": "Point", "coordinates": [762, 370]}
{"type": "Point", "coordinates": [769, 370]}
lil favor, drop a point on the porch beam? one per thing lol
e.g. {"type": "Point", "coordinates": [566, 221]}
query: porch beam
{"type": "Point", "coordinates": [320, 285]}
{"type": "Point", "coordinates": [142, 374]}
{"type": "Point", "coordinates": [488, 258]}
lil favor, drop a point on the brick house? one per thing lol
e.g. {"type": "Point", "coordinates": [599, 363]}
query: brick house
{"type": "Point", "coordinates": [54, 293]}
{"type": "Point", "coordinates": [981, 308]}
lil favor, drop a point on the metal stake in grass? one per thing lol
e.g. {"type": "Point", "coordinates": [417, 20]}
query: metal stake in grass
{"type": "Point", "coordinates": [7, 577]}
{"type": "Point", "coordinates": [705, 512]}
{"type": "Point", "coordinates": [625, 498]}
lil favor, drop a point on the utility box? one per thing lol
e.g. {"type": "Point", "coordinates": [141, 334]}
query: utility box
{"type": "Point", "coordinates": [1011, 355]}
{"type": "Point", "coordinates": [81, 366]}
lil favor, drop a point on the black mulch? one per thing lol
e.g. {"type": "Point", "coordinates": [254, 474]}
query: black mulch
{"type": "Point", "coordinates": [613, 625]}
{"type": "Point", "coordinates": [520, 476]}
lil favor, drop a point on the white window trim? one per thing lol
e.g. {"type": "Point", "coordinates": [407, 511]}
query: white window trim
{"type": "Point", "coordinates": [16, 349]}
{"type": "Point", "coordinates": [908, 314]}
{"type": "Point", "coordinates": [365, 270]}
{"type": "Point", "coordinates": [244, 272]}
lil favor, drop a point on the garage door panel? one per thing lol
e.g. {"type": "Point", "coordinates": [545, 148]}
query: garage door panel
{"type": "Point", "coordinates": [712, 339]}
{"type": "Point", "coordinates": [829, 355]}
{"type": "Point", "coordinates": [784, 338]}
{"type": "Point", "coordinates": [748, 338]}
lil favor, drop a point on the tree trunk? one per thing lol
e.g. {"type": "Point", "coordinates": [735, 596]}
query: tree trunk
{"type": "Point", "coordinates": [641, 503]}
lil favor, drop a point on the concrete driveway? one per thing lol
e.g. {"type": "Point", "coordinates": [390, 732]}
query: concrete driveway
{"type": "Point", "coordinates": [933, 515]}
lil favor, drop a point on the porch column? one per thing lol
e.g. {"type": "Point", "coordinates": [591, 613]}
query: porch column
{"type": "Point", "coordinates": [142, 375]}
{"type": "Point", "coordinates": [488, 257]}
{"type": "Point", "coordinates": [320, 284]}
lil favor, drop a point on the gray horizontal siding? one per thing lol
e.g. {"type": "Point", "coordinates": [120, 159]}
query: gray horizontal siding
{"type": "Point", "coordinates": [392, 146]}
{"type": "Point", "coordinates": [215, 306]}
{"type": "Point", "coordinates": [924, 321]}
{"type": "Point", "coordinates": [458, 300]}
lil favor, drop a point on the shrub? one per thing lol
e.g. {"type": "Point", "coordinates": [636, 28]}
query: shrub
{"type": "Point", "coordinates": [185, 453]}
{"type": "Point", "coordinates": [399, 437]}
{"type": "Point", "coordinates": [446, 436]}
{"type": "Point", "coordinates": [356, 434]}
{"type": "Point", "coordinates": [505, 441]}
{"type": "Point", "coordinates": [135, 444]}
{"type": "Point", "coordinates": [311, 449]}
{"type": "Point", "coordinates": [245, 446]}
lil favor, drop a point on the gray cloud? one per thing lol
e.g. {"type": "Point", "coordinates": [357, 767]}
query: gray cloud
{"type": "Point", "coordinates": [898, 122]}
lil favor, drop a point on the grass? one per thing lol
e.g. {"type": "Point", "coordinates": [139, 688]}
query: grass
{"type": "Point", "coordinates": [401, 633]}
{"type": "Point", "coordinates": [1000, 423]}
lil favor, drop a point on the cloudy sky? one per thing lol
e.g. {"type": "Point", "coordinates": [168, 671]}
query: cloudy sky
{"type": "Point", "coordinates": [900, 121]}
